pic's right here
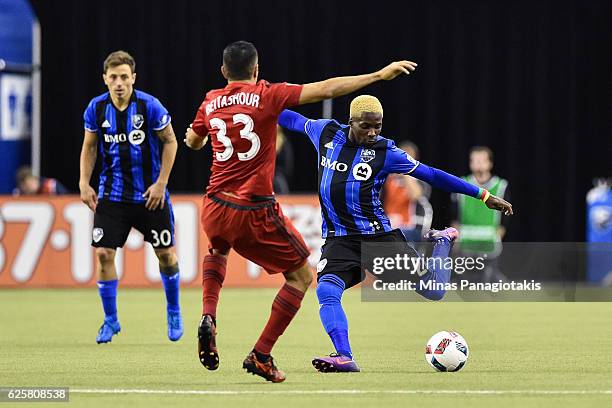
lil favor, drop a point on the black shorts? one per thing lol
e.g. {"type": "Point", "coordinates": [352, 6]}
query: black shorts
{"type": "Point", "coordinates": [114, 220]}
{"type": "Point", "coordinates": [341, 256]}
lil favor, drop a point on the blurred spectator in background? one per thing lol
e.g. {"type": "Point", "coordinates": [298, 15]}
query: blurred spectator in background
{"type": "Point", "coordinates": [481, 232]}
{"type": "Point", "coordinates": [406, 200]}
{"type": "Point", "coordinates": [283, 172]}
{"type": "Point", "coordinates": [30, 184]}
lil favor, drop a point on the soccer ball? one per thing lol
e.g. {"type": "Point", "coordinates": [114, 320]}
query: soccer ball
{"type": "Point", "coordinates": [447, 351]}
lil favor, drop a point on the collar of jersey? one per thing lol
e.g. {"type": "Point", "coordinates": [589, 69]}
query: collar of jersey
{"type": "Point", "coordinates": [237, 84]}
{"type": "Point", "coordinates": [133, 98]}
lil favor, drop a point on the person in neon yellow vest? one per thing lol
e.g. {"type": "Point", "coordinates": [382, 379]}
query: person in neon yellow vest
{"type": "Point", "coordinates": [482, 230]}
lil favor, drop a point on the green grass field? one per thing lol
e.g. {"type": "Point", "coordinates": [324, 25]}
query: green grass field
{"type": "Point", "coordinates": [521, 354]}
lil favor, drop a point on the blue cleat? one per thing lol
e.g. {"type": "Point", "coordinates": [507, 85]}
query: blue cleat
{"type": "Point", "coordinates": [449, 234]}
{"type": "Point", "coordinates": [335, 363]}
{"type": "Point", "coordinates": [108, 329]}
{"type": "Point", "coordinates": [175, 325]}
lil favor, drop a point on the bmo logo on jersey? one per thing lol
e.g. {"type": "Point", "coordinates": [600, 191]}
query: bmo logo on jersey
{"type": "Point", "coordinates": [362, 171]}
{"type": "Point", "coordinates": [118, 138]}
{"type": "Point", "coordinates": [333, 165]}
{"type": "Point", "coordinates": [135, 137]}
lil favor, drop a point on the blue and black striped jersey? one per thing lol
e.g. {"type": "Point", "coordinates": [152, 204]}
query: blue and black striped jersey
{"type": "Point", "coordinates": [130, 149]}
{"type": "Point", "coordinates": [351, 177]}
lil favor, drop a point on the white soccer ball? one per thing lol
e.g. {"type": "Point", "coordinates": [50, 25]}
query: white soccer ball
{"type": "Point", "coordinates": [447, 351]}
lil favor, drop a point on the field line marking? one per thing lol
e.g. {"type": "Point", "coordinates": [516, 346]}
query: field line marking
{"type": "Point", "coordinates": [338, 392]}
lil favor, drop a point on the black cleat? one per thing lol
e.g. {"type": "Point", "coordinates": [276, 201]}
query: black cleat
{"type": "Point", "coordinates": [207, 346]}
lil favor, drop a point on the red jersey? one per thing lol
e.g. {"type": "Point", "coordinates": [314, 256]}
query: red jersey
{"type": "Point", "coordinates": [241, 120]}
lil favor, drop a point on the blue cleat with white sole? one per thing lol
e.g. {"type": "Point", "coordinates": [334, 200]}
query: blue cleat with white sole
{"type": "Point", "coordinates": [108, 329]}
{"type": "Point", "coordinates": [175, 325]}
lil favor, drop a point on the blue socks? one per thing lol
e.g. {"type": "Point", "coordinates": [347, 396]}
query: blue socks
{"type": "Point", "coordinates": [329, 292]}
{"type": "Point", "coordinates": [108, 295]}
{"type": "Point", "coordinates": [171, 287]}
{"type": "Point", "coordinates": [437, 270]}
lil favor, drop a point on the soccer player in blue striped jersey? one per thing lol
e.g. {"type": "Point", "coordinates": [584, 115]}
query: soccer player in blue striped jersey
{"type": "Point", "coordinates": [132, 131]}
{"type": "Point", "coordinates": [354, 162]}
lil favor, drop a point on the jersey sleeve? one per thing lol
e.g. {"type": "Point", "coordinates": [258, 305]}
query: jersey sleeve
{"type": "Point", "coordinates": [398, 161]}
{"type": "Point", "coordinates": [285, 95]}
{"type": "Point", "coordinates": [313, 128]}
{"type": "Point", "coordinates": [89, 117]}
{"type": "Point", "coordinates": [295, 122]}
{"type": "Point", "coordinates": [199, 122]}
{"type": "Point", "coordinates": [447, 182]}
{"type": "Point", "coordinates": [159, 117]}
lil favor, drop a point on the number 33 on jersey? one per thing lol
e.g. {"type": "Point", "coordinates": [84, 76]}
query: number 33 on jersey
{"type": "Point", "coordinates": [241, 120]}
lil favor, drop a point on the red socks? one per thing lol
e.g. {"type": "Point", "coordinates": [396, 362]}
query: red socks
{"type": "Point", "coordinates": [212, 281]}
{"type": "Point", "coordinates": [286, 304]}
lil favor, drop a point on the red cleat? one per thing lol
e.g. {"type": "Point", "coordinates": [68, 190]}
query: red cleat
{"type": "Point", "coordinates": [266, 370]}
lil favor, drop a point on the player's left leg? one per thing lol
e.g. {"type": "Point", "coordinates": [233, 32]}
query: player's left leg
{"type": "Point", "coordinates": [213, 275]}
{"type": "Point", "coordinates": [157, 226]}
{"type": "Point", "coordinates": [169, 271]}
{"type": "Point", "coordinates": [437, 270]}
{"type": "Point", "coordinates": [220, 222]}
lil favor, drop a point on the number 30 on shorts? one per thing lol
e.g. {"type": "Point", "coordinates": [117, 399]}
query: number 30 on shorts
{"type": "Point", "coordinates": [161, 238]}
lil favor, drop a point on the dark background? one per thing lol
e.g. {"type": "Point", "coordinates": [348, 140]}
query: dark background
{"type": "Point", "coordinates": [532, 80]}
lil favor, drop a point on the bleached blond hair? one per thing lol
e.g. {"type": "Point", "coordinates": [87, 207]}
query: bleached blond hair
{"type": "Point", "coordinates": [363, 104]}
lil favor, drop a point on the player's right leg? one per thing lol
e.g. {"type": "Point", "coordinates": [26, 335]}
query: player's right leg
{"type": "Point", "coordinates": [107, 289]}
{"type": "Point", "coordinates": [110, 231]}
{"type": "Point", "coordinates": [334, 276]}
{"type": "Point", "coordinates": [285, 306]}
{"type": "Point", "coordinates": [270, 240]}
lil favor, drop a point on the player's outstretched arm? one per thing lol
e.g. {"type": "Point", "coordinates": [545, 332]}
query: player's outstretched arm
{"type": "Point", "coordinates": [193, 140]}
{"type": "Point", "coordinates": [334, 87]}
{"type": "Point", "coordinates": [89, 151]}
{"type": "Point", "coordinates": [293, 121]}
{"type": "Point", "coordinates": [156, 193]}
{"type": "Point", "coordinates": [453, 184]}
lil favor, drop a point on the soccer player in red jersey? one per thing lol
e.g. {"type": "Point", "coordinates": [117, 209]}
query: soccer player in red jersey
{"type": "Point", "coordinates": [239, 208]}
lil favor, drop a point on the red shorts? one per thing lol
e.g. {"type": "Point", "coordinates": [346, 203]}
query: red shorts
{"type": "Point", "coordinates": [258, 231]}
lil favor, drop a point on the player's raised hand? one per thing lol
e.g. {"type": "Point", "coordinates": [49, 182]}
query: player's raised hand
{"type": "Point", "coordinates": [397, 68]}
{"type": "Point", "coordinates": [89, 197]}
{"type": "Point", "coordinates": [496, 203]}
{"type": "Point", "coordinates": [155, 195]}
